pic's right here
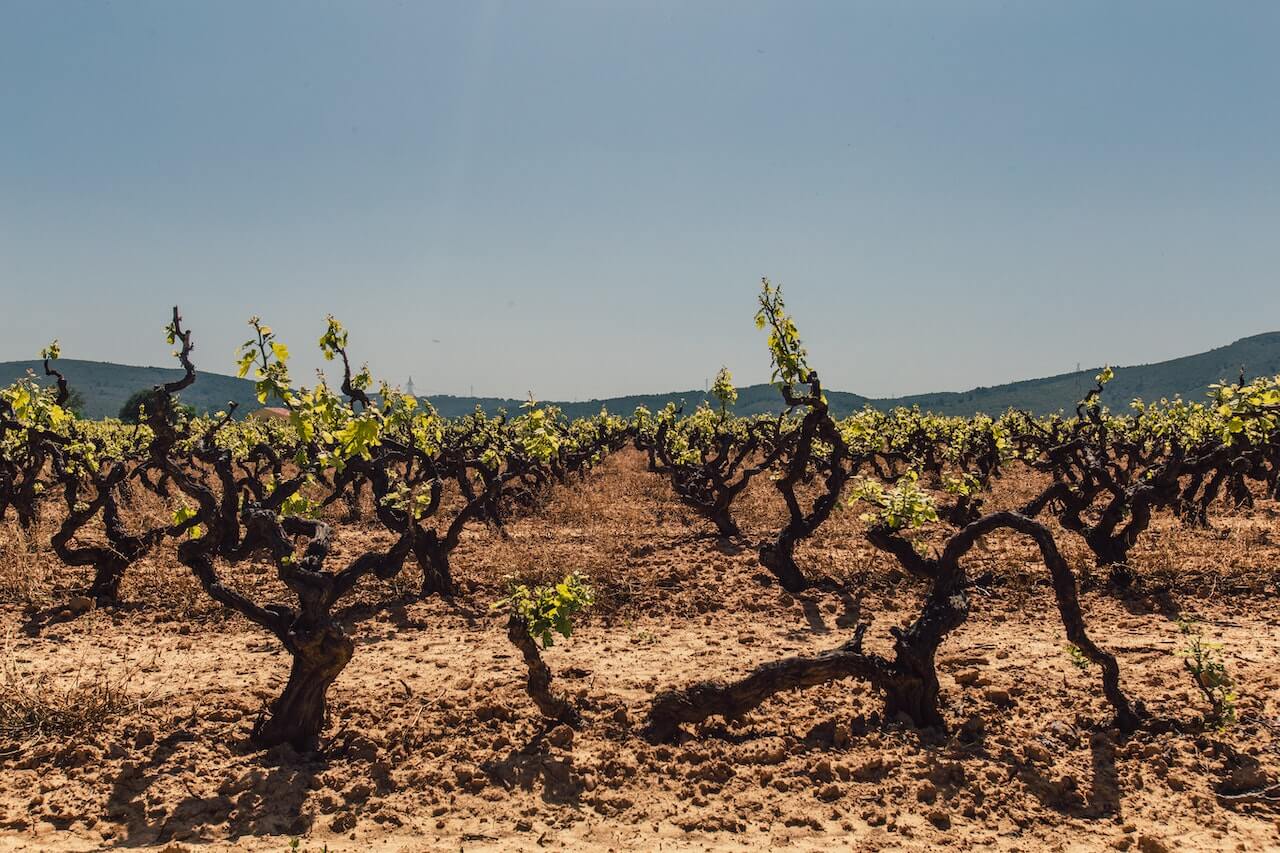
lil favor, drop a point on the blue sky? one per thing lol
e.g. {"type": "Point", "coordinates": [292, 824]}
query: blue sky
{"type": "Point", "coordinates": [578, 199]}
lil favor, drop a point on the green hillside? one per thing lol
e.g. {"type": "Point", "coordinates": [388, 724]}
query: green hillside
{"type": "Point", "coordinates": [752, 399]}
{"type": "Point", "coordinates": [1188, 376]}
{"type": "Point", "coordinates": [106, 386]}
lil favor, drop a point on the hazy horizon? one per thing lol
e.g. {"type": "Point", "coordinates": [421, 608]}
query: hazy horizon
{"type": "Point", "coordinates": [578, 200]}
{"type": "Point", "coordinates": [471, 393]}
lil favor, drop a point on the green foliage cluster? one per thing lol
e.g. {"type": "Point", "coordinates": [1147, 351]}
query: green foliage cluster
{"type": "Point", "coordinates": [905, 505]}
{"type": "Point", "coordinates": [725, 393]}
{"type": "Point", "coordinates": [550, 609]}
{"type": "Point", "coordinates": [790, 364]}
{"type": "Point", "coordinates": [1078, 660]}
{"type": "Point", "coordinates": [1204, 663]}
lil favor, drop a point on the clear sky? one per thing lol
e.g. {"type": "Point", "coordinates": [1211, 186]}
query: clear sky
{"type": "Point", "coordinates": [579, 198]}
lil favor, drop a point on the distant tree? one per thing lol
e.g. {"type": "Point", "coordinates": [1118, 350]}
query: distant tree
{"type": "Point", "coordinates": [147, 397]}
{"type": "Point", "coordinates": [75, 402]}
{"type": "Point", "coordinates": [138, 399]}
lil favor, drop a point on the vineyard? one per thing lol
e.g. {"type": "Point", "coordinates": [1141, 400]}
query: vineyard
{"type": "Point", "coordinates": [368, 626]}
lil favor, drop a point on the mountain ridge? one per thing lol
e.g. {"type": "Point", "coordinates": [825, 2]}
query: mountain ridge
{"type": "Point", "coordinates": [106, 385]}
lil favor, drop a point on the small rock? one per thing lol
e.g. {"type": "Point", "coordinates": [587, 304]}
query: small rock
{"type": "Point", "coordinates": [81, 756]}
{"type": "Point", "coordinates": [358, 793]}
{"type": "Point", "coordinates": [822, 771]}
{"type": "Point", "coordinates": [1063, 732]}
{"type": "Point", "coordinates": [490, 710]}
{"type": "Point", "coordinates": [830, 793]}
{"type": "Point", "coordinates": [361, 748]}
{"type": "Point", "coordinates": [80, 604]}
{"type": "Point", "coordinates": [1247, 775]}
{"type": "Point", "coordinates": [973, 728]}
{"type": "Point", "coordinates": [718, 772]}
{"type": "Point", "coordinates": [871, 770]}
{"type": "Point", "coordinates": [1151, 844]}
{"type": "Point", "coordinates": [561, 736]}
{"type": "Point", "coordinates": [769, 751]}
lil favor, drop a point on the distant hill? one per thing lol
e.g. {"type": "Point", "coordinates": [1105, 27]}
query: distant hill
{"type": "Point", "coordinates": [1188, 376]}
{"type": "Point", "coordinates": [752, 399]}
{"type": "Point", "coordinates": [106, 386]}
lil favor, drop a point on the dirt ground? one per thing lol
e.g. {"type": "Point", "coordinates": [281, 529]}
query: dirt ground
{"type": "Point", "coordinates": [433, 745]}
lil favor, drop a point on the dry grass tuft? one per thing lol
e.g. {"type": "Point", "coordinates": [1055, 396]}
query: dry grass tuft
{"type": "Point", "coordinates": [26, 564]}
{"type": "Point", "coordinates": [37, 706]}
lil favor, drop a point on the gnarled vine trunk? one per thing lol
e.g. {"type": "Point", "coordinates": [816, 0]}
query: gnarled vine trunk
{"type": "Point", "coordinates": [731, 700]}
{"type": "Point", "coordinates": [433, 558]}
{"type": "Point", "coordinates": [105, 588]}
{"type": "Point", "coordinates": [538, 682]}
{"type": "Point", "coordinates": [723, 520]}
{"type": "Point", "coordinates": [912, 687]}
{"type": "Point", "coordinates": [909, 682]}
{"type": "Point", "coordinates": [297, 716]}
{"type": "Point", "coordinates": [778, 557]}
